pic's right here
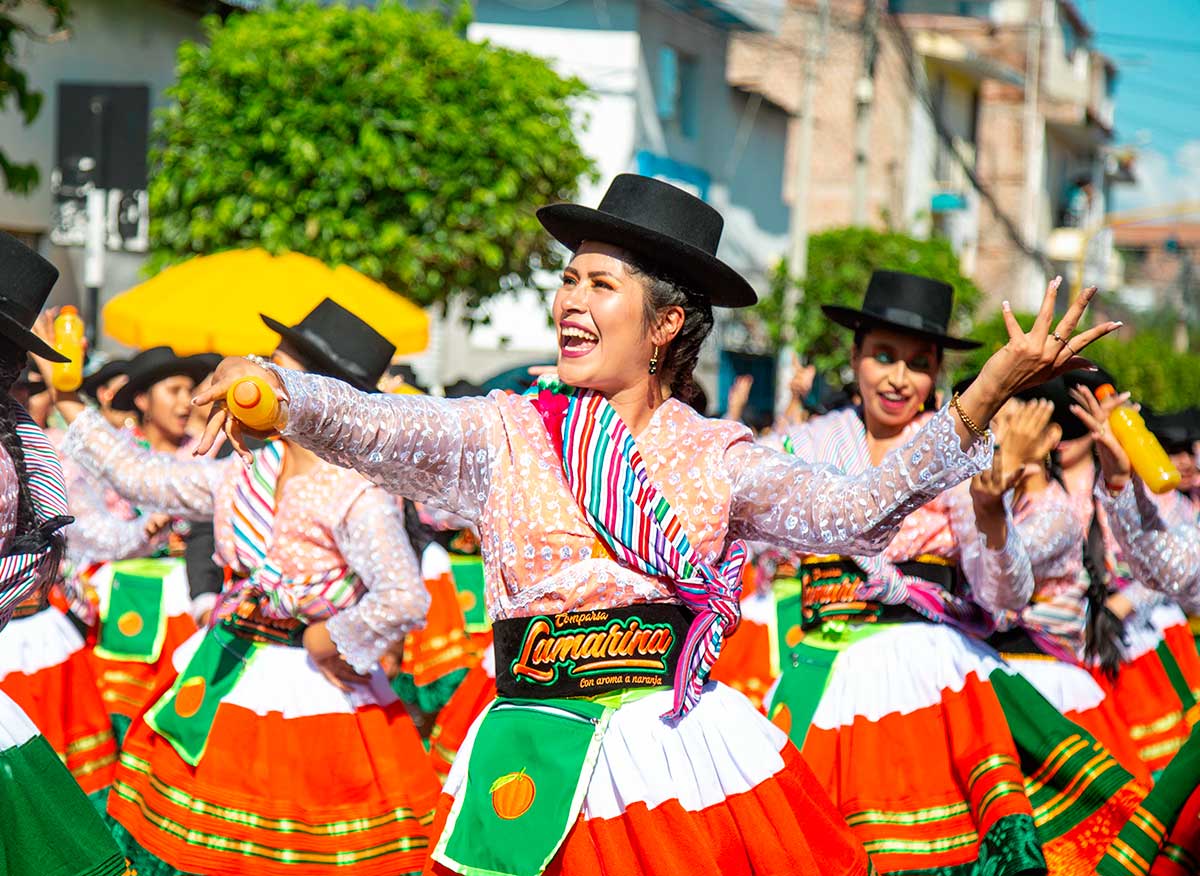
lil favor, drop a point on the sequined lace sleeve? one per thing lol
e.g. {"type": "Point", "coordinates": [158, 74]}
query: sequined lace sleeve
{"type": "Point", "coordinates": [152, 481]}
{"type": "Point", "coordinates": [1162, 556]}
{"type": "Point", "coordinates": [98, 533]}
{"type": "Point", "coordinates": [429, 449]}
{"type": "Point", "coordinates": [375, 545]}
{"type": "Point", "coordinates": [1001, 578]}
{"type": "Point", "coordinates": [783, 500]}
{"type": "Point", "coordinates": [1050, 533]}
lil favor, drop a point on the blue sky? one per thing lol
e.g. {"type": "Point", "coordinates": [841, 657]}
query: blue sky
{"type": "Point", "coordinates": [1156, 44]}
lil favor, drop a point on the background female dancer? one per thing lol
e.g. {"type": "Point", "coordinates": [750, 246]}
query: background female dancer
{"type": "Point", "coordinates": [279, 747]}
{"type": "Point", "coordinates": [583, 493]}
{"type": "Point", "coordinates": [921, 734]}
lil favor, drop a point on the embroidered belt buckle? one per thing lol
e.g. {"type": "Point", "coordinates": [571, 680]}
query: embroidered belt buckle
{"type": "Point", "coordinates": [590, 653]}
{"type": "Point", "coordinates": [248, 622]}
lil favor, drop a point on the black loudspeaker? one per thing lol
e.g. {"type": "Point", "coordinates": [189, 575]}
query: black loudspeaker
{"type": "Point", "coordinates": [108, 124]}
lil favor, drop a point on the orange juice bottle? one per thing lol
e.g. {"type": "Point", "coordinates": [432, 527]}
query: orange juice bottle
{"type": "Point", "coordinates": [253, 402]}
{"type": "Point", "coordinates": [1146, 455]}
{"type": "Point", "coordinates": [68, 340]}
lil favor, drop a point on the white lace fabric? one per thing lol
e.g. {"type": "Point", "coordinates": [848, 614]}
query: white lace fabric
{"type": "Point", "coordinates": [1159, 542]}
{"type": "Point", "coordinates": [324, 519]}
{"type": "Point", "coordinates": [489, 460]}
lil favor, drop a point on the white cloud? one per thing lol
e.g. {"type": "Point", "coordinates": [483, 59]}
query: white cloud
{"type": "Point", "coordinates": [1162, 179]}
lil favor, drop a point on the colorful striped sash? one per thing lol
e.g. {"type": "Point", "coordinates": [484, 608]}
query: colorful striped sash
{"type": "Point", "coordinates": [20, 573]}
{"type": "Point", "coordinates": [254, 506]}
{"type": "Point", "coordinates": [607, 476]}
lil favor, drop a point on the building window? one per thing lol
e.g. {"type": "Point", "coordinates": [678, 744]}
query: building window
{"type": "Point", "coordinates": [677, 91]}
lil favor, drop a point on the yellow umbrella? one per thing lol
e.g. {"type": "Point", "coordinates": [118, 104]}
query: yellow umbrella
{"type": "Point", "coordinates": [210, 304]}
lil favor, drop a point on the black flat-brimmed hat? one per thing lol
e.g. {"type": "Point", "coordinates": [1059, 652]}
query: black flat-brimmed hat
{"type": "Point", "coordinates": [676, 233]}
{"type": "Point", "coordinates": [148, 368]}
{"type": "Point", "coordinates": [905, 303]}
{"type": "Point", "coordinates": [102, 375]}
{"type": "Point", "coordinates": [333, 341]}
{"type": "Point", "coordinates": [25, 283]}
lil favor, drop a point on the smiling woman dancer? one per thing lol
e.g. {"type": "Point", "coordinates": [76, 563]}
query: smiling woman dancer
{"type": "Point", "coordinates": [611, 516]}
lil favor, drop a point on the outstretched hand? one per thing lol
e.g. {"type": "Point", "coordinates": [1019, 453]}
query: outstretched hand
{"type": "Point", "coordinates": [1031, 358]}
{"type": "Point", "coordinates": [213, 390]}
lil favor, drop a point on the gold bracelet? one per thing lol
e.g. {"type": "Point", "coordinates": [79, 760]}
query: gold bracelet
{"type": "Point", "coordinates": [971, 425]}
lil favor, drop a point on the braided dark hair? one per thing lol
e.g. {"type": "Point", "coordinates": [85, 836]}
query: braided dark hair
{"type": "Point", "coordinates": [1105, 631]}
{"type": "Point", "coordinates": [32, 534]}
{"type": "Point", "coordinates": [678, 362]}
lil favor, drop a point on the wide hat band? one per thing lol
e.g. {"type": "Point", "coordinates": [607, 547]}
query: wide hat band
{"type": "Point", "coordinates": [906, 303]}
{"type": "Point", "coordinates": [25, 283]}
{"type": "Point", "coordinates": [333, 341]}
{"type": "Point", "coordinates": [672, 233]}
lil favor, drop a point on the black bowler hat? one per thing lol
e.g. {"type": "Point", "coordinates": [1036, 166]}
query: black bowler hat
{"type": "Point", "coordinates": [151, 366]}
{"type": "Point", "coordinates": [25, 283]}
{"type": "Point", "coordinates": [102, 375]}
{"type": "Point", "coordinates": [333, 341]}
{"type": "Point", "coordinates": [1177, 432]}
{"type": "Point", "coordinates": [905, 303]}
{"type": "Point", "coordinates": [674, 232]}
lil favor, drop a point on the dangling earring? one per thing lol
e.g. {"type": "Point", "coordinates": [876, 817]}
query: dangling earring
{"type": "Point", "coordinates": [654, 361]}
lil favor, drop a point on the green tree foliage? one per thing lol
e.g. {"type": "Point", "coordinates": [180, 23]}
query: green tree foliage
{"type": "Point", "coordinates": [378, 138]}
{"type": "Point", "coordinates": [14, 84]}
{"type": "Point", "coordinates": [840, 263]}
{"type": "Point", "coordinates": [1145, 365]}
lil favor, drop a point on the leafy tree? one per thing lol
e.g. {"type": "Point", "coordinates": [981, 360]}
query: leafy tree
{"type": "Point", "coordinates": [378, 138]}
{"type": "Point", "coordinates": [14, 84]}
{"type": "Point", "coordinates": [840, 263]}
{"type": "Point", "coordinates": [1145, 365]}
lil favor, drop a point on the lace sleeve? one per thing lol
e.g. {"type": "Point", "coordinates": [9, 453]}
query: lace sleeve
{"type": "Point", "coordinates": [1050, 533]}
{"type": "Point", "coordinates": [375, 545]}
{"type": "Point", "coordinates": [1164, 558]}
{"type": "Point", "coordinates": [429, 449]}
{"type": "Point", "coordinates": [98, 533]}
{"type": "Point", "coordinates": [1001, 578]}
{"type": "Point", "coordinates": [781, 499]}
{"type": "Point", "coordinates": [152, 481]}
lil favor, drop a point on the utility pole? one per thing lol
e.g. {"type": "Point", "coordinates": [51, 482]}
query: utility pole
{"type": "Point", "coordinates": [864, 94]}
{"type": "Point", "coordinates": [814, 51]}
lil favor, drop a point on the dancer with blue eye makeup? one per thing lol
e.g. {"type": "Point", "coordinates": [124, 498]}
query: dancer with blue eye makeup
{"type": "Point", "coordinates": [935, 751]}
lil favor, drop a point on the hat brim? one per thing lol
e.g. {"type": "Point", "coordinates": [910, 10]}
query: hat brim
{"type": "Point", "coordinates": [572, 224]}
{"type": "Point", "coordinates": [856, 319]}
{"type": "Point", "coordinates": [27, 340]}
{"type": "Point", "coordinates": [123, 399]}
{"type": "Point", "coordinates": [314, 357]}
